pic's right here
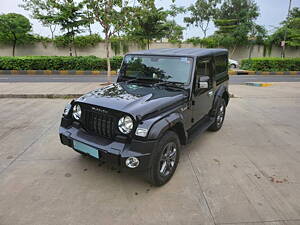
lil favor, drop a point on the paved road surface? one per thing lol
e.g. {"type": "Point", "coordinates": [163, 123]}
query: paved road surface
{"type": "Point", "coordinates": [247, 173]}
{"type": "Point", "coordinates": [92, 78]}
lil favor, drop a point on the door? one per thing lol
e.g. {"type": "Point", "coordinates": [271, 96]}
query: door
{"type": "Point", "coordinates": [202, 96]}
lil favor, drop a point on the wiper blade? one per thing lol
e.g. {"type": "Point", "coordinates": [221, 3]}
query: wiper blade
{"type": "Point", "coordinates": [174, 84]}
{"type": "Point", "coordinates": [142, 79]}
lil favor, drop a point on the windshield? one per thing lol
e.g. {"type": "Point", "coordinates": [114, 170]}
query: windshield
{"type": "Point", "coordinates": [171, 69]}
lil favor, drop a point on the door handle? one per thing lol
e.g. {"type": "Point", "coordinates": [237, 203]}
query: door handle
{"type": "Point", "coordinates": [210, 93]}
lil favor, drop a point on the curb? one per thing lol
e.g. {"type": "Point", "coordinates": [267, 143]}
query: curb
{"type": "Point", "coordinates": [258, 84]}
{"type": "Point", "coordinates": [248, 72]}
{"type": "Point", "coordinates": [55, 72]}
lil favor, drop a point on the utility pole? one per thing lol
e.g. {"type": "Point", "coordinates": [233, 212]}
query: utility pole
{"type": "Point", "coordinates": [283, 43]}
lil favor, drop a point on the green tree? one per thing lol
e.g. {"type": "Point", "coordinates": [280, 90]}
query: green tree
{"type": "Point", "coordinates": [71, 18]}
{"type": "Point", "coordinates": [14, 29]}
{"type": "Point", "coordinates": [110, 15]}
{"type": "Point", "coordinates": [175, 32]}
{"type": "Point", "coordinates": [149, 22]}
{"type": "Point", "coordinates": [258, 36]}
{"type": "Point", "coordinates": [41, 10]}
{"type": "Point", "coordinates": [201, 14]}
{"type": "Point", "coordinates": [68, 14]}
{"type": "Point", "coordinates": [293, 28]}
{"type": "Point", "coordinates": [235, 21]}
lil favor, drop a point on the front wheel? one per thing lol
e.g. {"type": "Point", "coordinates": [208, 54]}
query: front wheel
{"type": "Point", "coordinates": [165, 159]}
{"type": "Point", "coordinates": [219, 117]}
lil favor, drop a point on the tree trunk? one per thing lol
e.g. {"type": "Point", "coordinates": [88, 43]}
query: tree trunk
{"type": "Point", "coordinates": [73, 45]}
{"type": "Point", "coordinates": [52, 31]}
{"type": "Point", "coordinates": [148, 43]}
{"type": "Point", "coordinates": [90, 29]}
{"type": "Point", "coordinates": [108, 58]}
{"type": "Point", "coordinates": [14, 47]}
{"type": "Point", "coordinates": [233, 51]}
{"type": "Point", "coordinates": [70, 50]}
{"type": "Point", "coordinates": [250, 51]}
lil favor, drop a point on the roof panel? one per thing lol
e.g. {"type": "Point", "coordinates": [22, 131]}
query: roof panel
{"type": "Point", "coordinates": [181, 51]}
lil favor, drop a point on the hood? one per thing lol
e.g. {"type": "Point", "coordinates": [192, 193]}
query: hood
{"type": "Point", "coordinates": [135, 99]}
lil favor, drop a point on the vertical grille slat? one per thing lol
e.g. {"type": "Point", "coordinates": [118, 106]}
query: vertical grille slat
{"type": "Point", "coordinates": [98, 122]}
{"type": "Point", "coordinates": [108, 127]}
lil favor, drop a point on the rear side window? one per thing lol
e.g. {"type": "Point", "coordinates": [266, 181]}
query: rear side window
{"type": "Point", "coordinates": [221, 63]}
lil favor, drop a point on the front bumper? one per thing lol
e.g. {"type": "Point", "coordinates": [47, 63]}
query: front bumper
{"type": "Point", "coordinates": [109, 150]}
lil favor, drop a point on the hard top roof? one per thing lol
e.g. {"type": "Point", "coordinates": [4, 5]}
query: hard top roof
{"type": "Point", "coordinates": [182, 51]}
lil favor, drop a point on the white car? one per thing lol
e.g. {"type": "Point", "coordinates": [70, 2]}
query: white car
{"type": "Point", "coordinates": [233, 64]}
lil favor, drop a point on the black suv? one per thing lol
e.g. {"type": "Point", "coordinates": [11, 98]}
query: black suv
{"type": "Point", "coordinates": [161, 99]}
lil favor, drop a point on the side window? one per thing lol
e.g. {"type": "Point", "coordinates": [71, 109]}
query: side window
{"type": "Point", "coordinates": [221, 62]}
{"type": "Point", "coordinates": [203, 68]}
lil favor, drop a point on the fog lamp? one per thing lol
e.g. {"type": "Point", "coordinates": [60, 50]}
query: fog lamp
{"type": "Point", "coordinates": [132, 162]}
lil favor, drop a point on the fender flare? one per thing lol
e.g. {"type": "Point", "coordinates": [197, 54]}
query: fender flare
{"type": "Point", "coordinates": [218, 96]}
{"type": "Point", "coordinates": [172, 121]}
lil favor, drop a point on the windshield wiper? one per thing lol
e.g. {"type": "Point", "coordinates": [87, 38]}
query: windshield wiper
{"type": "Point", "coordinates": [142, 79]}
{"type": "Point", "coordinates": [174, 84]}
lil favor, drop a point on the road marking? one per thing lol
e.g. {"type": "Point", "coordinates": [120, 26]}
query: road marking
{"type": "Point", "coordinates": [62, 78]}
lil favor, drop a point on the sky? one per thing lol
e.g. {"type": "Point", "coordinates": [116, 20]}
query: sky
{"type": "Point", "coordinates": [272, 13]}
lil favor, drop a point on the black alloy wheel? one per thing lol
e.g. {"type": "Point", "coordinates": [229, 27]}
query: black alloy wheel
{"type": "Point", "coordinates": [219, 116]}
{"type": "Point", "coordinates": [165, 159]}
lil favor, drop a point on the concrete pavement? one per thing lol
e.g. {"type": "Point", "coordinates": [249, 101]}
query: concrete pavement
{"type": "Point", "coordinates": [247, 173]}
{"type": "Point", "coordinates": [48, 88]}
{"type": "Point", "coordinates": [76, 88]}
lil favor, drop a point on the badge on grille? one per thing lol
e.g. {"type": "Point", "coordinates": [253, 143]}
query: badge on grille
{"type": "Point", "coordinates": [99, 110]}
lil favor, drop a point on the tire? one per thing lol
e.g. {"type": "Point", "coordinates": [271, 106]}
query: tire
{"type": "Point", "coordinates": [219, 117]}
{"type": "Point", "coordinates": [165, 159]}
{"type": "Point", "coordinates": [233, 66]}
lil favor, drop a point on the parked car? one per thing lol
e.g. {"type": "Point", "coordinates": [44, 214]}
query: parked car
{"type": "Point", "coordinates": [233, 64]}
{"type": "Point", "coordinates": [162, 98]}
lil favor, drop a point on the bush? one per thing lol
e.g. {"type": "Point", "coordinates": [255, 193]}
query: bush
{"type": "Point", "coordinates": [79, 41]}
{"type": "Point", "coordinates": [57, 63]}
{"type": "Point", "coordinates": [271, 64]}
{"type": "Point", "coordinates": [209, 42]}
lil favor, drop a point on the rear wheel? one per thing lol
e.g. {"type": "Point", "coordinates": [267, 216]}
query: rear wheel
{"type": "Point", "coordinates": [219, 117]}
{"type": "Point", "coordinates": [165, 159]}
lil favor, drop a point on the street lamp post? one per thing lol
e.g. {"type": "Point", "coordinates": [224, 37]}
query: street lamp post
{"type": "Point", "coordinates": [283, 43]}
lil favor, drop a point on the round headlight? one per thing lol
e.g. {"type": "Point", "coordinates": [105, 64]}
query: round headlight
{"type": "Point", "coordinates": [125, 124]}
{"type": "Point", "coordinates": [76, 112]}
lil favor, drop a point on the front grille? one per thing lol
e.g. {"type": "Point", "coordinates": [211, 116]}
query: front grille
{"type": "Point", "coordinates": [100, 122]}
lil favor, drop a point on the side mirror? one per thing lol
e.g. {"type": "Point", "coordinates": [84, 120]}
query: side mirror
{"type": "Point", "coordinates": [203, 82]}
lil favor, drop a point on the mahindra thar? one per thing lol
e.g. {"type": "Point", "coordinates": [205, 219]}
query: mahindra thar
{"type": "Point", "coordinates": [161, 100]}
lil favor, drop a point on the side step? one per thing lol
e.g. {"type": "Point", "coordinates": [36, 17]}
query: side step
{"type": "Point", "coordinates": [199, 128]}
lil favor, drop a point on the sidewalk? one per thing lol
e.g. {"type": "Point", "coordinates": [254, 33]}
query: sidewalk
{"type": "Point", "coordinates": [46, 90]}
{"type": "Point", "coordinates": [75, 90]}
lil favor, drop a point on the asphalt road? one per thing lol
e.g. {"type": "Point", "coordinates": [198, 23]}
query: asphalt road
{"type": "Point", "coordinates": [92, 78]}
